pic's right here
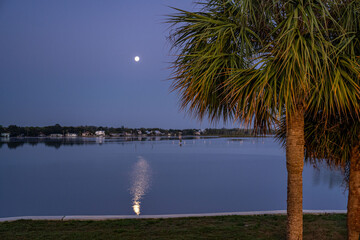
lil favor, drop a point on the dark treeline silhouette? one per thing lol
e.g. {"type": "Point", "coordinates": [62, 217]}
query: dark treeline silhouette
{"type": "Point", "coordinates": [18, 131]}
{"type": "Point", "coordinates": [232, 132]}
{"type": "Point", "coordinates": [58, 129]}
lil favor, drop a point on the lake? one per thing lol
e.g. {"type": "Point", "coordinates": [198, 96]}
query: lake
{"type": "Point", "coordinates": [97, 176]}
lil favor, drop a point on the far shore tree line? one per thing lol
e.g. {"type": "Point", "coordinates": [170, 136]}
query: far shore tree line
{"type": "Point", "coordinates": [18, 131]}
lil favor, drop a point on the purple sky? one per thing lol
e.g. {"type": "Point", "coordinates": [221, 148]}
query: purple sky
{"type": "Point", "coordinates": [72, 62]}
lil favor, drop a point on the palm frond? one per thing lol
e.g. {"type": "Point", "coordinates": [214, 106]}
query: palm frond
{"type": "Point", "coordinates": [253, 60]}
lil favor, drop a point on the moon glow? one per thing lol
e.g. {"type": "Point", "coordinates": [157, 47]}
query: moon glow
{"type": "Point", "coordinates": [137, 58]}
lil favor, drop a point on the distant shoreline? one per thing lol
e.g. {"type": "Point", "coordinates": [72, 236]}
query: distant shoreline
{"type": "Point", "coordinates": [96, 131]}
{"type": "Point", "coordinates": [141, 136]}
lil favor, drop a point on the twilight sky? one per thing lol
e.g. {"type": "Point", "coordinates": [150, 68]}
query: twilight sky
{"type": "Point", "coordinates": [72, 62]}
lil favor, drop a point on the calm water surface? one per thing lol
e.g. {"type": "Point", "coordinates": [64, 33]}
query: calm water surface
{"type": "Point", "coordinates": [117, 177]}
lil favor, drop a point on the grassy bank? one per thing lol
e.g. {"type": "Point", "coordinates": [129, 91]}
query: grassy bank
{"type": "Point", "coordinates": [332, 226]}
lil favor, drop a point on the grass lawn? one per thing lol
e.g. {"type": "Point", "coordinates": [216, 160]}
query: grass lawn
{"type": "Point", "coordinates": [328, 226]}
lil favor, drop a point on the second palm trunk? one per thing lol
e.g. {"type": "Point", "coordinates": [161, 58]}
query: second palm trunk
{"type": "Point", "coordinates": [295, 164]}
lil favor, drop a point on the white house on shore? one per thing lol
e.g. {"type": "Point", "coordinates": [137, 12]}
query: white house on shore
{"type": "Point", "coordinates": [100, 133]}
{"type": "Point", "coordinates": [56, 135]}
{"type": "Point", "coordinates": [71, 135]}
{"type": "Point", "coordinates": [86, 134]}
{"type": "Point", "coordinates": [5, 135]}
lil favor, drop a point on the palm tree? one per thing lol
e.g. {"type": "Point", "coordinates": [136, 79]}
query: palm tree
{"type": "Point", "coordinates": [253, 60]}
{"type": "Point", "coordinates": [335, 140]}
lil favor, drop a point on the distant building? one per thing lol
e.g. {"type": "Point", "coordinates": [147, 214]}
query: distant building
{"type": "Point", "coordinates": [5, 135]}
{"type": "Point", "coordinates": [139, 132]}
{"type": "Point", "coordinates": [56, 135]}
{"type": "Point", "coordinates": [71, 135]}
{"type": "Point", "coordinates": [197, 133]}
{"type": "Point", "coordinates": [42, 135]}
{"type": "Point", "coordinates": [100, 133]}
{"type": "Point", "coordinates": [157, 133]}
{"type": "Point", "coordinates": [127, 134]}
{"type": "Point", "coordinates": [86, 134]}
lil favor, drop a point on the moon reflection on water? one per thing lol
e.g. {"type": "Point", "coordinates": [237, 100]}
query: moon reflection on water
{"type": "Point", "coordinates": [140, 178]}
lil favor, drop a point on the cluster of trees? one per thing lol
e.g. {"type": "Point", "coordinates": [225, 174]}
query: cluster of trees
{"type": "Point", "coordinates": [236, 132]}
{"type": "Point", "coordinates": [57, 129]}
{"type": "Point", "coordinates": [260, 61]}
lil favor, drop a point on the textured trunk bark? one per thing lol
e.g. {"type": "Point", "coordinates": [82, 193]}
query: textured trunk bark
{"type": "Point", "coordinates": [353, 214]}
{"type": "Point", "coordinates": [295, 164]}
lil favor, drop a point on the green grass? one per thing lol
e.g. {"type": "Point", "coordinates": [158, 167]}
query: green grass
{"type": "Point", "coordinates": [331, 226]}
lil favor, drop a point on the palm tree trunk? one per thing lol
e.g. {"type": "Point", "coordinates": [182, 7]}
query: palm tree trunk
{"type": "Point", "coordinates": [295, 164]}
{"type": "Point", "coordinates": [353, 214]}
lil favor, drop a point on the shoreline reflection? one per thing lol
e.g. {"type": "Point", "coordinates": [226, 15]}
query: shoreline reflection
{"type": "Point", "coordinates": [13, 143]}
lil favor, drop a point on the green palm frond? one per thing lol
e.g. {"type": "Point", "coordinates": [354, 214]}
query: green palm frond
{"type": "Point", "coordinates": [331, 136]}
{"type": "Point", "coordinates": [211, 44]}
{"type": "Point", "coordinates": [252, 60]}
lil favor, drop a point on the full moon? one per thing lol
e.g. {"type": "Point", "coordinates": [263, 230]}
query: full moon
{"type": "Point", "coordinates": [137, 58]}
